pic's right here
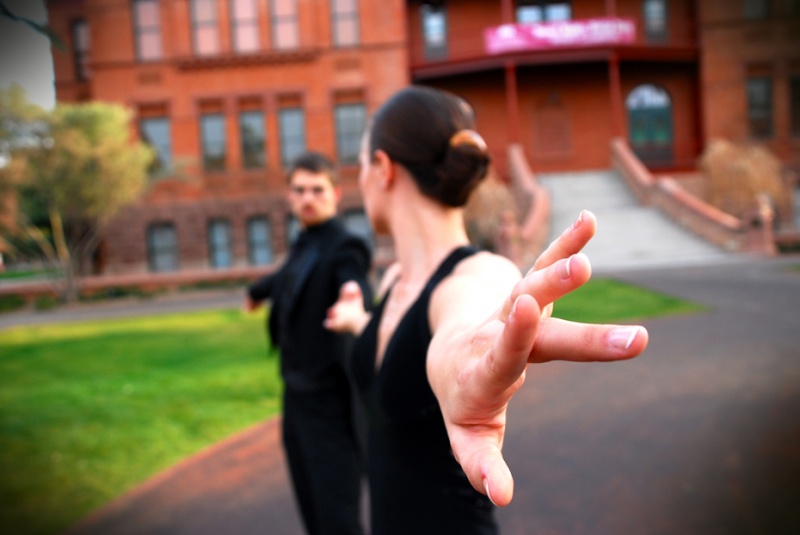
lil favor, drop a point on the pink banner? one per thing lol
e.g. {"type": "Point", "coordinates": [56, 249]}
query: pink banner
{"type": "Point", "coordinates": [586, 32]}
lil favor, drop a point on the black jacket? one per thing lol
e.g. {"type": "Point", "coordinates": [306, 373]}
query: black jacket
{"type": "Point", "coordinates": [309, 352]}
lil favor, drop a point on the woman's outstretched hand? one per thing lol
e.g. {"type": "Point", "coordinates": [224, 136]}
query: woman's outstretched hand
{"type": "Point", "coordinates": [347, 315]}
{"type": "Point", "coordinates": [475, 367]}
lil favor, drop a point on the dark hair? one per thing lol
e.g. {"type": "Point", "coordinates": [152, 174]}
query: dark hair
{"type": "Point", "coordinates": [422, 129]}
{"type": "Point", "coordinates": [314, 162]}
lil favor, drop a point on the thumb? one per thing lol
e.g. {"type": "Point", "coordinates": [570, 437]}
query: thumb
{"type": "Point", "coordinates": [350, 290]}
{"type": "Point", "coordinates": [490, 475]}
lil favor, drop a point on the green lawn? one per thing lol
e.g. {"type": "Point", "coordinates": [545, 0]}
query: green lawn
{"type": "Point", "coordinates": [611, 301]}
{"type": "Point", "coordinates": [89, 410]}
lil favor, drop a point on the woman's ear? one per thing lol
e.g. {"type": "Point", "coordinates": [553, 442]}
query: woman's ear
{"type": "Point", "coordinates": [386, 168]}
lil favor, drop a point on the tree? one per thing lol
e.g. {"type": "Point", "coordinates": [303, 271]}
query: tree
{"type": "Point", "coordinates": [73, 169]}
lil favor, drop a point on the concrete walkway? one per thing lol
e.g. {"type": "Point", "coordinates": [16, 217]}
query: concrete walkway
{"type": "Point", "coordinates": [629, 236]}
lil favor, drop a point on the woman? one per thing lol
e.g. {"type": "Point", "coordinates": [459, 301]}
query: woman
{"type": "Point", "coordinates": [447, 346]}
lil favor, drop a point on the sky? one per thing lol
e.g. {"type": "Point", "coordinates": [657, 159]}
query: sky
{"type": "Point", "coordinates": [25, 56]}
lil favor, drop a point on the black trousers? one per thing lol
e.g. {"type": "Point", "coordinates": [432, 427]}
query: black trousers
{"type": "Point", "coordinates": [322, 446]}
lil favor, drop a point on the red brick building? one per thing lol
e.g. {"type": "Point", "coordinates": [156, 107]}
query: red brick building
{"type": "Point", "coordinates": [228, 90]}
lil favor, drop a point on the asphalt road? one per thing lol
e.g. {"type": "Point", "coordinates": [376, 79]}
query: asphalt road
{"type": "Point", "coordinates": [700, 435]}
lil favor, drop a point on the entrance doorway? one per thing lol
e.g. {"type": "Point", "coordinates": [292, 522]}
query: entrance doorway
{"type": "Point", "coordinates": [650, 125]}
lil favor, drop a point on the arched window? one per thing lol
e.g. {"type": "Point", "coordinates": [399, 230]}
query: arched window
{"type": "Point", "coordinates": [650, 124]}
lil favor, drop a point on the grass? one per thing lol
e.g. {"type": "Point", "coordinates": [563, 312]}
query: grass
{"type": "Point", "coordinates": [611, 301]}
{"type": "Point", "coordinates": [89, 410]}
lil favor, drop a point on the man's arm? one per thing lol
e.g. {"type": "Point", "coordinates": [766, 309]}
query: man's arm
{"type": "Point", "coordinates": [352, 263]}
{"type": "Point", "coordinates": [258, 292]}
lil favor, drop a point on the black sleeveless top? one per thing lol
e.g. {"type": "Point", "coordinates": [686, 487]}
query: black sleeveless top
{"type": "Point", "coordinates": [416, 485]}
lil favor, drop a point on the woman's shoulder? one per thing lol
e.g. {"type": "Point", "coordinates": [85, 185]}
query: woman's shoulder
{"type": "Point", "coordinates": [485, 264]}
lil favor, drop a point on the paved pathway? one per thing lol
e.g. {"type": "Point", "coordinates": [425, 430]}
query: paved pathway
{"type": "Point", "coordinates": [629, 236]}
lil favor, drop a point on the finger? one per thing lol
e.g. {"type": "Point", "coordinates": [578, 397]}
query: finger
{"type": "Point", "coordinates": [487, 471]}
{"type": "Point", "coordinates": [350, 290]}
{"type": "Point", "coordinates": [570, 242]}
{"type": "Point", "coordinates": [505, 363]}
{"type": "Point", "coordinates": [550, 283]}
{"type": "Point", "coordinates": [582, 342]}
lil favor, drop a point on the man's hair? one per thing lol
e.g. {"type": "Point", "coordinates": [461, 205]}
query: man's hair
{"type": "Point", "coordinates": [314, 162]}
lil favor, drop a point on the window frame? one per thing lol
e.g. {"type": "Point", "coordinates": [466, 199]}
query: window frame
{"type": "Point", "coordinates": [434, 50]}
{"type": "Point", "coordinates": [753, 114]}
{"type": "Point", "coordinates": [253, 248]}
{"type": "Point", "coordinates": [544, 12]}
{"type": "Point", "coordinates": [794, 104]}
{"type": "Point", "coordinates": [198, 25]}
{"type": "Point", "coordinates": [81, 53]}
{"type": "Point", "coordinates": [239, 23]}
{"type": "Point", "coordinates": [222, 250]}
{"type": "Point", "coordinates": [340, 19]}
{"type": "Point", "coordinates": [140, 31]}
{"type": "Point", "coordinates": [261, 142]}
{"type": "Point", "coordinates": [652, 33]}
{"type": "Point", "coordinates": [287, 141]}
{"type": "Point", "coordinates": [165, 167]}
{"type": "Point", "coordinates": [155, 253]}
{"type": "Point", "coordinates": [289, 21]}
{"type": "Point", "coordinates": [348, 137]}
{"type": "Point", "coordinates": [208, 163]}
{"type": "Point", "coordinates": [756, 9]}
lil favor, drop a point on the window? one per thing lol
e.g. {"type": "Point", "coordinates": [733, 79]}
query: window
{"type": "Point", "coordinates": [162, 247]}
{"type": "Point", "coordinates": [650, 124]}
{"type": "Point", "coordinates": [533, 11]}
{"type": "Point", "coordinates": [292, 230]}
{"type": "Point", "coordinates": [251, 135]}
{"type": "Point", "coordinates": [156, 132]}
{"type": "Point", "coordinates": [655, 20]}
{"type": "Point", "coordinates": [244, 25]}
{"type": "Point", "coordinates": [759, 106]}
{"type": "Point", "coordinates": [794, 103]}
{"type": "Point", "coordinates": [80, 49]}
{"type": "Point", "coordinates": [357, 222]}
{"type": "Point", "coordinates": [147, 29]}
{"type": "Point", "coordinates": [350, 121]}
{"type": "Point", "coordinates": [219, 243]}
{"type": "Point", "coordinates": [212, 134]}
{"type": "Point", "coordinates": [204, 27]}
{"type": "Point", "coordinates": [285, 31]}
{"type": "Point", "coordinates": [434, 31]}
{"type": "Point", "coordinates": [756, 9]}
{"type": "Point", "coordinates": [344, 15]}
{"type": "Point", "coordinates": [291, 122]}
{"type": "Point", "coordinates": [259, 241]}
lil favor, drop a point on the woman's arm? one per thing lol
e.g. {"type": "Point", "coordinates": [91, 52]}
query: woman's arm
{"type": "Point", "coordinates": [488, 326]}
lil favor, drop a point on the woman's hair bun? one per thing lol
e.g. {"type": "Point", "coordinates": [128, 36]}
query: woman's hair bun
{"type": "Point", "coordinates": [469, 137]}
{"type": "Point", "coordinates": [465, 164]}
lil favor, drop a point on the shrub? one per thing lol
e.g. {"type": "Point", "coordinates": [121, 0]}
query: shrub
{"type": "Point", "coordinates": [11, 302]}
{"type": "Point", "coordinates": [737, 174]}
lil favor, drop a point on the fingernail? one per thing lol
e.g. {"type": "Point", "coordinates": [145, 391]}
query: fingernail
{"type": "Point", "coordinates": [578, 221]}
{"type": "Point", "coordinates": [623, 337]}
{"type": "Point", "coordinates": [564, 270]}
{"type": "Point", "coordinates": [488, 494]}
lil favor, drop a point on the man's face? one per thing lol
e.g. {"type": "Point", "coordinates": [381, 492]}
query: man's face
{"type": "Point", "coordinates": [312, 197]}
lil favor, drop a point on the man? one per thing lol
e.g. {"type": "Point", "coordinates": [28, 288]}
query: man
{"type": "Point", "coordinates": [319, 426]}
